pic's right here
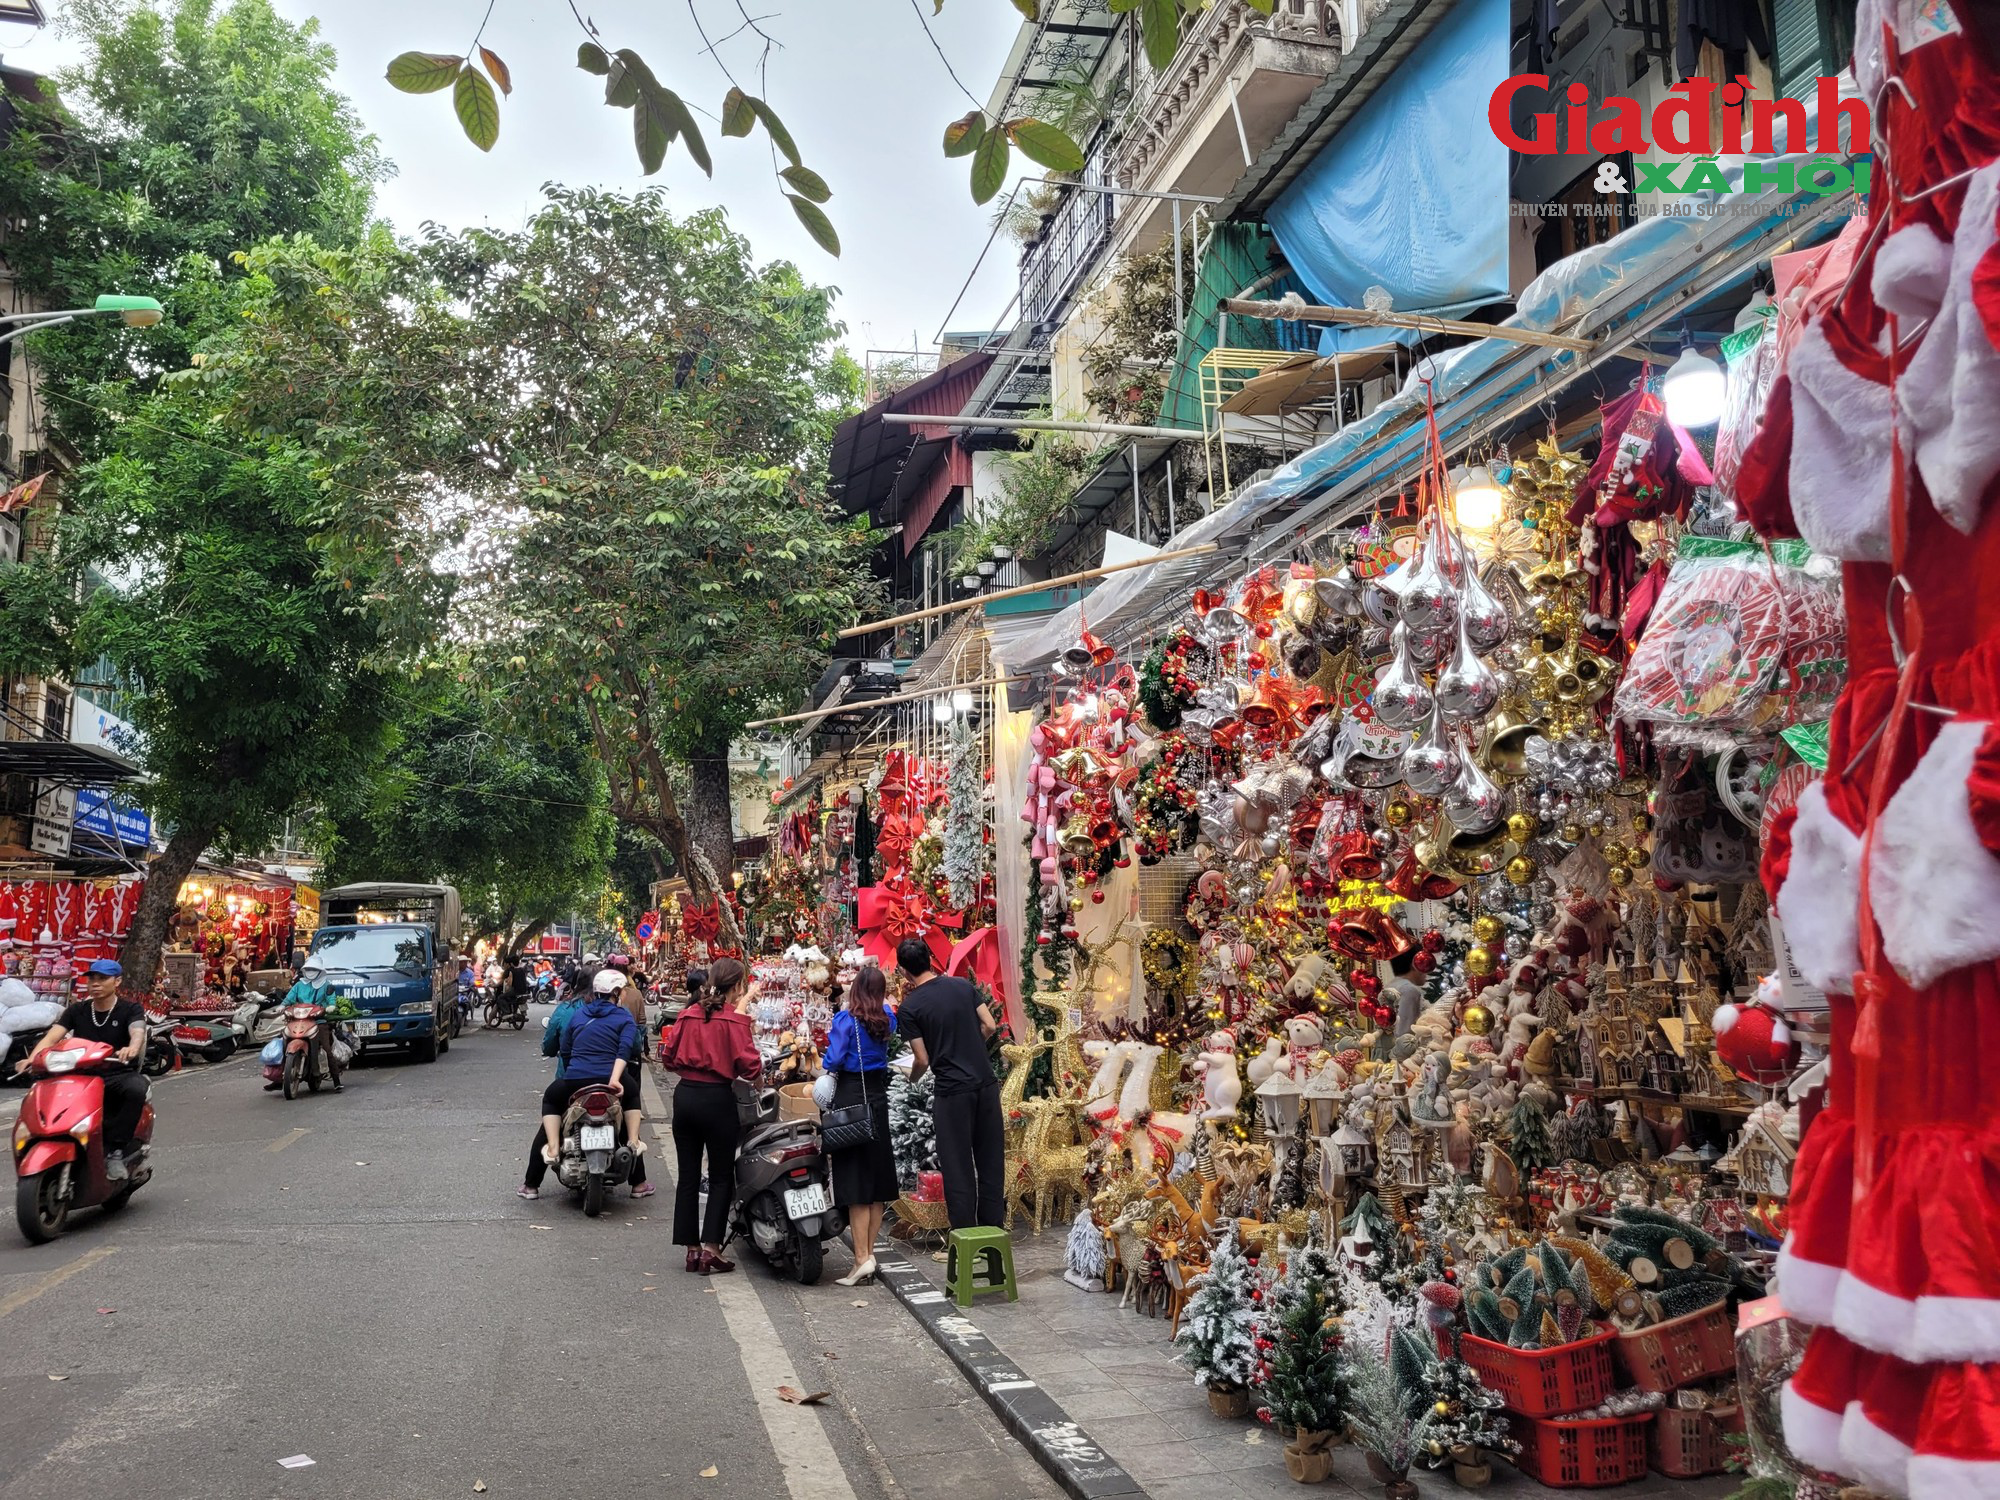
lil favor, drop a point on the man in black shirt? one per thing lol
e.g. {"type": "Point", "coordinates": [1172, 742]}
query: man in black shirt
{"type": "Point", "coordinates": [947, 1025]}
{"type": "Point", "coordinates": [102, 1017]}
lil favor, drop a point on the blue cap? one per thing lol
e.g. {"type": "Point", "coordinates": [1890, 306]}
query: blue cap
{"type": "Point", "coordinates": [106, 966]}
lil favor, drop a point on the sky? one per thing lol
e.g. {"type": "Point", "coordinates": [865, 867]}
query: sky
{"type": "Point", "coordinates": [856, 82]}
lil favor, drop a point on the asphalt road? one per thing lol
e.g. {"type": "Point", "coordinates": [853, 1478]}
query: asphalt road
{"type": "Point", "coordinates": [352, 1279]}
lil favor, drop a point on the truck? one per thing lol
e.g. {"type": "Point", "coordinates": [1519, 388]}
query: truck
{"type": "Point", "coordinates": [392, 949]}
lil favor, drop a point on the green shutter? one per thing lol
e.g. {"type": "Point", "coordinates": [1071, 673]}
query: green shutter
{"type": "Point", "coordinates": [1237, 255]}
{"type": "Point", "coordinates": [1802, 35]}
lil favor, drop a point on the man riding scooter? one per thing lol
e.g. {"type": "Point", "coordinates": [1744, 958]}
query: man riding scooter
{"type": "Point", "coordinates": [121, 1024]}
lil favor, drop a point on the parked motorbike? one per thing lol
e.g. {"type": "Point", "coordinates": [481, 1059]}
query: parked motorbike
{"type": "Point", "coordinates": [163, 1052]}
{"type": "Point", "coordinates": [309, 1042]}
{"type": "Point", "coordinates": [59, 1141]}
{"type": "Point", "coordinates": [784, 1192]}
{"type": "Point", "coordinates": [594, 1156]}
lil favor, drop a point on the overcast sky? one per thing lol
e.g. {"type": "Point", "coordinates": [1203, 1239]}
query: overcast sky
{"type": "Point", "coordinates": [856, 82]}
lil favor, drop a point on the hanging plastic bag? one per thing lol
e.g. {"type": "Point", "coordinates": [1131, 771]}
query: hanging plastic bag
{"type": "Point", "coordinates": [273, 1055]}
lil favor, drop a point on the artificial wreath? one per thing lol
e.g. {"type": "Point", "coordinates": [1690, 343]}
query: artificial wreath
{"type": "Point", "coordinates": [1171, 677]}
{"type": "Point", "coordinates": [1166, 808]}
{"type": "Point", "coordinates": [1171, 963]}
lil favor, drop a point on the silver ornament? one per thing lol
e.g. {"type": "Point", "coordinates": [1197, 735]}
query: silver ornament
{"type": "Point", "coordinates": [1338, 593]}
{"type": "Point", "coordinates": [1484, 617]}
{"type": "Point", "coordinates": [1430, 764]}
{"type": "Point", "coordinates": [1400, 699]}
{"type": "Point", "coordinates": [1429, 599]}
{"type": "Point", "coordinates": [1466, 689]}
{"type": "Point", "coordinates": [1474, 803]}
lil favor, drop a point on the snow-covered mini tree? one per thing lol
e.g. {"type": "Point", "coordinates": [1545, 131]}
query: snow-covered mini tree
{"type": "Point", "coordinates": [911, 1130]}
{"type": "Point", "coordinates": [1217, 1339]}
{"type": "Point", "coordinates": [964, 858]}
{"type": "Point", "coordinates": [1528, 1140]}
{"type": "Point", "coordinates": [1299, 1382]}
{"type": "Point", "coordinates": [1456, 1412]}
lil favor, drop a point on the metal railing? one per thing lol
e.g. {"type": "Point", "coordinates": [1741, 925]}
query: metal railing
{"type": "Point", "coordinates": [1067, 249]}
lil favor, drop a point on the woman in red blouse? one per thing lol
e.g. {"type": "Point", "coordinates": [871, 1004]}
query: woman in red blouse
{"type": "Point", "coordinates": [710, 1047]}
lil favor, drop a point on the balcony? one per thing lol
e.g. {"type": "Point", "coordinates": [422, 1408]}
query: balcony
{"type": "Point", "coordinates": [1182, 134]}
{"type": "Point", "coordinates": [1061, 257]}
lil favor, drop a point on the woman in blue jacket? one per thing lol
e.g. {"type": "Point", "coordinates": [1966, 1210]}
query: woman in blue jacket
{"type": "Point", "coordinates": [857, 1054]}
{"type": "Point", "coordinates": [600, 1045]}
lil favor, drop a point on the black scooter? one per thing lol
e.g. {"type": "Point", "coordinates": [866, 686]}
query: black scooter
{"type": "Point", "coordinates": [784, 1192]}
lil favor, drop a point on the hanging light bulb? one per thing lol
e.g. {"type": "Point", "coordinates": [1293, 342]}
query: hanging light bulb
{"type": "Point", "coordinates": [1693, 388]}
{"type": "Point", "coordinates": [961, 701]}
{"type": "Point", "coordinates": [1477, 498]}
{"type": "Point", "coordinates": [941, 711]}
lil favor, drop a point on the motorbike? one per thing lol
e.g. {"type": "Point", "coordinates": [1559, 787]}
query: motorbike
{"type": "Point", "coordinates": [594, 1156]}
{"type": "Point", "coordinates": [502, 1011]}
{"type": "Point", "coordinates": [163, 1051]}
{"type": "Point", "coordinates": [784, 1192]}
{"type": "Point", "coordinates": [462, 1016]}
{"type": "Point", "coordinates": [20, 1044]}
{"type": "Point", "coordinates": [309, 1040]}
{"type": "Point", "coordinates": [59, 1142]}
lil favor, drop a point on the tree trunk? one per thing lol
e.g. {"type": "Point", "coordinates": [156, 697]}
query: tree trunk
{"type": "Point", "coordinates": [710, 821]}
{"type": "Point", "coordinates": [524, 937]}
{"type": "Point", "coordinates": [140, 954]}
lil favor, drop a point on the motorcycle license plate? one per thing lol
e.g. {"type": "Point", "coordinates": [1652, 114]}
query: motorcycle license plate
{"type": "Point", "coordinates": [598, 1137]}
{"type": "Point", "coordinates": [367, 1028]}
{"type": "Point", "coordinates": [803, 1203]}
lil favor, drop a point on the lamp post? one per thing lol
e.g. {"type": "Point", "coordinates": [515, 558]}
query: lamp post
{"type": "Point", "coordinates": [136, 312]}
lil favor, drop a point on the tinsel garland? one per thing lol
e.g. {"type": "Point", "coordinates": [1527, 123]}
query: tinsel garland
{"type": "Point", "coordinates": [1054, 958]}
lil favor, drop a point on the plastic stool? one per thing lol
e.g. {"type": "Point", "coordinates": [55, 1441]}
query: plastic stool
{"type": "Point", "coordinates": [962, 1268]}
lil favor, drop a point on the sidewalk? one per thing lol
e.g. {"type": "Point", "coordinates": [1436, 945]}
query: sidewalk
{"type": "Point", "coordinates": [1113, 1373]}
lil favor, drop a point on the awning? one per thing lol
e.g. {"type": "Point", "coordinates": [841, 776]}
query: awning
{"type": "Point", "coordinates": [877, 467]}
{"type": "Point", "coordinates": [1303, 380]}
{"type": "Point", "coordinates": [1236, 257]}
{"type": "Point", "coordinates": [65, 763]}
{"type": "Point", "coordinates": [1615, 292]}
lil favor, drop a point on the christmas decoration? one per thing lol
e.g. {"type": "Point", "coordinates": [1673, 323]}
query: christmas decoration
{"type": "Point", "coordinates": [1217, 1338]}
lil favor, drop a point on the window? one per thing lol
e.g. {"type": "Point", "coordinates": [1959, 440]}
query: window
{"type": "Point", "coordinates": [371, 949]}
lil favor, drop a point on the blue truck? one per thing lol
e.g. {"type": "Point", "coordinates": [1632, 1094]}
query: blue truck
{"type": "Point", "coordinates": [392, 949]}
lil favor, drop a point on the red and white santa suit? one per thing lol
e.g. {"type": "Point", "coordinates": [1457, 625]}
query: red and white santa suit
{"type": "Point", "coordinates": [1888, 878]}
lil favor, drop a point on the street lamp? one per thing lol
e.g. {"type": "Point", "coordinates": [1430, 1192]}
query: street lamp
{"type": "Point", "coordinates": [135, 312]}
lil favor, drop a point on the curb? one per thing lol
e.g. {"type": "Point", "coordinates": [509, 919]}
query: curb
{"type": "Point", "coordinates": [1058, 1442]}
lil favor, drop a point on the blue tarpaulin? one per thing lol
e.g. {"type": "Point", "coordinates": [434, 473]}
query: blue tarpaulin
{"type": "Point", "coordinates": [1411, 195]}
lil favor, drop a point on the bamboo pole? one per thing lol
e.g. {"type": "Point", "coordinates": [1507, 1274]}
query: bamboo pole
{"type": "Point", "coordinates": [861, 704]}
{"type": "Point", "coordinates": [1045, 424]}
{"type": "Point", "coordinates": [1026, 588]}
{"type": "Point", "coordinates": [1311, 312]}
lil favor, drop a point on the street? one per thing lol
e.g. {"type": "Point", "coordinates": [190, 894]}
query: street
{"type": "Point", "coordinates": [352, 1279]}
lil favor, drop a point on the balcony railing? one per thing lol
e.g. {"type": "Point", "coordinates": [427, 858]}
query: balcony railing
{"type": "Point", "coordinates": [1066, 250]}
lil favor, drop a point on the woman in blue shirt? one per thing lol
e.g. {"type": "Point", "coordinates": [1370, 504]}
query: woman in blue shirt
{"type": "Point", "coordinates": [857, 1053]}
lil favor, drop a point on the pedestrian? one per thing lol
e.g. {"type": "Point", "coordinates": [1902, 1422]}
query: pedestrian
{"type": "Point", "coordinates": [710, 1047]}
{"type": "Point", "coordinates": [600, 1046]}
{"type": "Point", "coordinates": [857, 1055]}
{"type": "Point", "coordinates": [634, 1001]}
{"type": "Point", "coordinates": [947, 1025]}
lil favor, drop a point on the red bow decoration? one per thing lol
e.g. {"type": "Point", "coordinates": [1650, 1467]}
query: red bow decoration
{"type": "Point", "coordinates": [887, 914]}
{"type": "Point", "coordinates": [894, 839]}
{"type": "Point", "coordinates": [976, 956]}
{"type": "Point", "coordinates": [702, 924]}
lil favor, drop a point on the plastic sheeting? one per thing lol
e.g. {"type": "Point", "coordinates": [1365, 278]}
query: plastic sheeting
{"type": "Point", "coordinates": [1411, 195]}
{"type": "Point", "coordinates": [1581, 294]}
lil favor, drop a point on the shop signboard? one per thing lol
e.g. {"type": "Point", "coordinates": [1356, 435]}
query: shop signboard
{"type": "Point", "coordinates": [55, 810]}
{"type": "Point", "coordinates": [98, 814]}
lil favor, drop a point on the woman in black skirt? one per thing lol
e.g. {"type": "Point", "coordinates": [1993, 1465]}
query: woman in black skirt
{"type": "Point", "coordinates": [857, 1054]}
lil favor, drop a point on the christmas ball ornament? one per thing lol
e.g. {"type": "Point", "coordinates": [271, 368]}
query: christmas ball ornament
{"type": "Point", "coordinates": [1479, 961]}
{"type": "Point", "coordinates": [1397, 813]}
{"type": "Point", "coordinates": [1614, 851]}
{"type": "Point", "coordinates": [1642, 822]}
{"type": "Point", "coordinates": [1754, 1040]}
{"type": "Point", "coordinates": [1423, 962]}
{"type": "Point", "coordinates": [1487, 928]}
{"type": "Point", "coordinates": [1096, 897]}
{"type": "Point", "coordinates": [1619, 875]}
{"type": "Point", "coordinates": [1478, 1019]}
{"type": "Point", "coordinates": [1639, 859]}
{"type": "Point", "coordinates": [1570, 833]}
{"type": "Point", "coordinates": [1520, 870]}
{"type": "Point", "coordinates": [1521, 827]}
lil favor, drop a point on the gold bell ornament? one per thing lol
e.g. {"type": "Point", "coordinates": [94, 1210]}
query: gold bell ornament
{"type": "Point", "coordinates": [1478, 1019]}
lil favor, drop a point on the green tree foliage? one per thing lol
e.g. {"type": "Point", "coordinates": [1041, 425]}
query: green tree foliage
{"type": "Point", "coordinates": [1301, 1381]}
{"type": "Point", "coordinates": [189, 131]}
{"type": "Point", "coordinates": [1219, 1325]}
{"type": "Point", "coordinates": [514, 817]}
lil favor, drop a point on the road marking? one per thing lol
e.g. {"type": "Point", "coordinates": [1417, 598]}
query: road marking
{"type": "Point", "coordinates": [289, 1138]}
{"type": "Point", "coordinates": [14, 1301]}
{"type": "Point", "coordinates": [812, 1468]}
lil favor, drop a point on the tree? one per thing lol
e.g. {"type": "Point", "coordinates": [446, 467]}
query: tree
{"type": "Point", "coordinates": [187, 133]}
{"type": "Point", "coordinates": [514, 816]}
{"type": "Point", "coordinates": [1454, 1410]}
{"type": "Point", "coordinates": [1301, 1383]}
{"type": "Point", "coordinates": [1528, 1133]}
{"type": "Point", "coordinates": [1218, 1326]}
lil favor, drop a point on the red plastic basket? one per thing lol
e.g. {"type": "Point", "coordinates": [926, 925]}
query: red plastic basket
{"type": "Point", "coordinates": [1680, 1351]}
{"type": "Point", "coordinates": [1686, 1444]}
{"type": "Point", "coordinates": [1583, 1455]}
{"type": "Point", "coordinates": [1543, 1382]}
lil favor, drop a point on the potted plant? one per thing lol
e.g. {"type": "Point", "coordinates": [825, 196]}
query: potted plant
{"type": "Point", "coordinates": [1217, 1338]}
{"type": "Point", "coordinates": [1300, 1383]}
{"type": "Point", "coordinates": [1454, 1419]}
{"type": "Point", "coordinates": [1377, 1420]}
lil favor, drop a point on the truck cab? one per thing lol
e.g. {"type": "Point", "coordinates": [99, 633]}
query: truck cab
{"type": "Point", "coordinates": [392, 950]}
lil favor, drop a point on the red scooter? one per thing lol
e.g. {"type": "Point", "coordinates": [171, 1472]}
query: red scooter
{"type": "Point", "coordinates": [59, 1141]}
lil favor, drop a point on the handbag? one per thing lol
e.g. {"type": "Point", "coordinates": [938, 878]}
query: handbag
{"type": "Point", "coordinates": [849, 1126]}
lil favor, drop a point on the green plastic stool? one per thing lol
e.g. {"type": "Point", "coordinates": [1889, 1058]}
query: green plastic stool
{"type": "Point", "coordinates": [962, 1270]}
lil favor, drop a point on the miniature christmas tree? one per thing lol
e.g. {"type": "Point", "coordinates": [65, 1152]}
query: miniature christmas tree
{"type": "Point", "coordinates": [1458, 1413]}
{"type": "Point", "coordinates": [1528, 1133]}
{"type": "Point", "coordinates": [964, 860]}
{"type": "Point", "coordinates": [1084, 1253]}
{"type": "Point", "coordinates": [1368, 1215]}
{"type": "Point", "coordinates": [911, 1130]}
{"type": "Point", "coordinates": [1299, 1379]}
{"type": "Point", "coordinates": [1375, 1414]}
{"type": "Point", "coordinates": [1218, 1327]}
{"type": "Point", "coordinates": [1411, 1354]}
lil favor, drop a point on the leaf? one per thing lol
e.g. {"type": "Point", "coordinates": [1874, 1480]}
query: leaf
{"type": "Point", "coordinates": [1160, 24]}
{"type": "Point", "coordinates": [989, 165]}
{"type": "Point", "coordinates": [423, 72]}
{"type": "Point", "coordinates": [799, 1398]}
{"type": "Point", "coordinates": [498, 69]}
{"type": "Point", "coordinates": [808, 182]}
{"type": "Point", "coordinates": [962, 136]}
{"type": "Point", "coordinates": [818, 225]}
{"type": "Point", "coordinates": [1029, 8]}
{"type": "Point", "coordinates": [678, 116]}
{"type": "Point", "coordinates": [478, 108]}
{"type": "Point", "coordinates": [1044, 143]}
{"type": "Point", "coordinates": [1262, 7]}
{"type": "Point", "coordinates": [1119, 7]}
{"type": "Point", "coordinates": [775, 129]}
{"type": "Point", "coordinates": [709, 1472]}
{"type": "Point", "coordinates": [621, 85]}
{"type": "Point", "coordinates": [590, 57]}
{"type": "Point", "coordinates": [738, 116]}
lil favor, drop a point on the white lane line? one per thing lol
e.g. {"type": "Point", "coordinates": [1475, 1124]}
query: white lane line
{"type": "Point", "coordinates": [15, 1301]}
{"type": "Point", "coordinates": [812, 1468]}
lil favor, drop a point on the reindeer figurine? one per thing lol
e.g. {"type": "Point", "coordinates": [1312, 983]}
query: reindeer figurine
{"type": "Point", "coordinates": [1128, 1236]}
{"type": "Point", "coordinates": [1055, 1168]}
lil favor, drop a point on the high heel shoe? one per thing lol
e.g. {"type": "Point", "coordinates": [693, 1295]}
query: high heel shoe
{"type": "Point", "coordinates": [714, 1265]}
{"type": "Point", "coordinates": [694, 1257]}
{"type": "Point", "coordinates": [861, 1275]}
